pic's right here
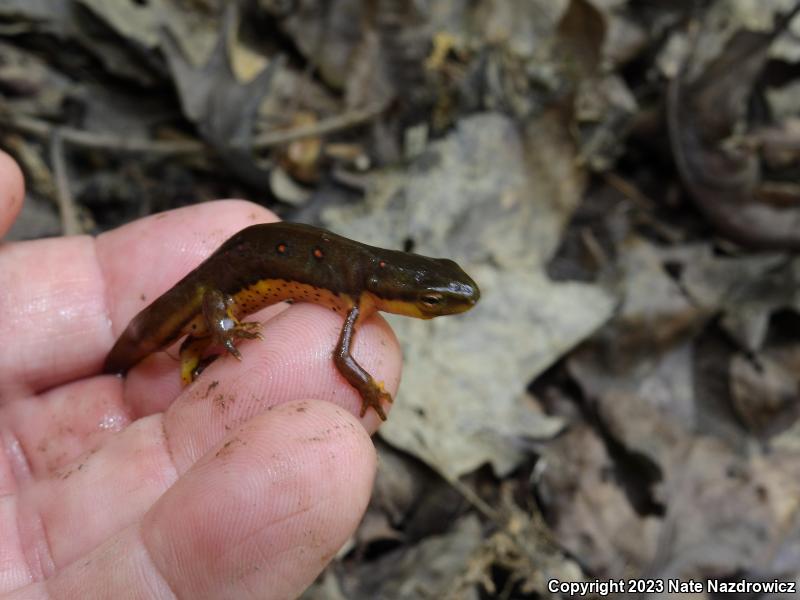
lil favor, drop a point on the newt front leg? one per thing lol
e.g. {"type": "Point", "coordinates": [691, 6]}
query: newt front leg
{"type": "Point", "coordinates": [372, 392]}
{"type": "Point", "coordinates": [223, 328]}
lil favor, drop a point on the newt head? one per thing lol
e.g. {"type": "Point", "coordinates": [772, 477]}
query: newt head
{"type": "Point", "coordinates": [419, 286]}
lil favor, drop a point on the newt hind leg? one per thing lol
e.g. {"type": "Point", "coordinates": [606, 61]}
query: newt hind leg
{"type": "Point", "coordinates": [192, 350]}
{"type": "Point", "coordinates": [372, 392]}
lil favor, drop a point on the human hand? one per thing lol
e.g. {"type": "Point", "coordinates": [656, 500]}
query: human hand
{"type": "Point", "coordinates": [239, 486]}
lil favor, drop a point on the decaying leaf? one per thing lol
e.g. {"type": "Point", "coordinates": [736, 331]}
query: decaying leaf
{"type": "Point", "coordinates": [703, 112]}
{"type": "Point", "coordinates": [747, 290]}
{"type": "Point", "coordinates": [692, 499]}
{"type": "Point", "coordinates": [223, 108]}
{"type": "Point", "coordinates": [523, 545]}
{"type": "Point", "coordinates": [655, 313]}
{"type": "Point", "coordinates": [589, 511]}
{"type": "Point", "coordinates": [327, 34]}
{"type": "Point", "coordinates": [415, 499]}
{"type": "Point", "coordinates": [428, 569]}
{"type": "Point", "coordinates": [711, 511]}
{"type": "Point", "coordinates": [765, 391]}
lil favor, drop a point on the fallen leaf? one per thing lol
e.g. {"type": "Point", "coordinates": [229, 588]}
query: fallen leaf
{"type": "Point", "coordinates": [704, 110]}
{"type": "Point", "coordinates": [587, 508]}
{"type": "Point", "coordinates": [765, 391]}
{"type": "Point", "coordinates": [427, 569]}
{"type": "Point", "coordinates": [224, 109]}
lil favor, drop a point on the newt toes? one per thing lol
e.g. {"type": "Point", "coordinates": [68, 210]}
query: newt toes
{"type": "Point", "coordinates": [275, 262]}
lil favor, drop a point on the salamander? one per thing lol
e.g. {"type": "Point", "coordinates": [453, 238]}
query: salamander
{"type": "Point", "coordinates": [274, 262]}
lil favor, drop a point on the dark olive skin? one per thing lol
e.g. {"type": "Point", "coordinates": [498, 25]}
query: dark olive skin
{"type": "Point", "coordinates": [273, 262]}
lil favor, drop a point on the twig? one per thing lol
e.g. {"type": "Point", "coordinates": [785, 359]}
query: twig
{"type": "Point", "coordinates": [70, 225]}
{"type": "Point", "coordinates": [629, 190]}
{"type": "Point", "coordinates": [593, 247]}
{"type": "Point", "coordinates": [87, 139]}
{"type": "Point", "coordinates": [776, 139]}
{"type": "Point", "coordinates": [476, 501]}
{"type": "Point", "coordinates": [346, 120]}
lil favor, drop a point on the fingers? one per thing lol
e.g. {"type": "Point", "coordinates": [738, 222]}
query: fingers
{"type": "Point", "coordinates": [12, 192]}
{"type": "Point", "coordinates": [53, 321]}
{"type": "Point", "coordinates": [293, 361]}
{"type": "Point", "coordinates": [261, 513]}
{"type": "Point", "coordinates": [59, 294]}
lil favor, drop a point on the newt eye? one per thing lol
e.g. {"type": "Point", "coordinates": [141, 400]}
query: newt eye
{"type": "Point", "coordinates": [431, 300]}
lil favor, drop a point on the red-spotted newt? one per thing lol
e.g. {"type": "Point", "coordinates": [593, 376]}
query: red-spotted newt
{"type": "Point", "coordinates": [269, 263]}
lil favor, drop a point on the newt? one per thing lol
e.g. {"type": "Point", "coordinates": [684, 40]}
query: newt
{"type": "Point", "coordinates": [275, 262]}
